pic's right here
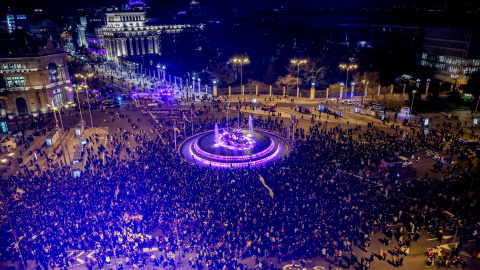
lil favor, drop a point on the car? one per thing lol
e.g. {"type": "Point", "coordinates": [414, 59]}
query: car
{"type": "Point", "coordinates": [303, 110]}
{"type": "Point", "coordinates": [269, 107]}
{"type": "Point", "coordinates": [396, 162]}
{"type": "Point", "coordinates": [110, 103]}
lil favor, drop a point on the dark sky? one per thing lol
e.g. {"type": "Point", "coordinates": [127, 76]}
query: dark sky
{"type": "Point", "coordinates": [71, 5]}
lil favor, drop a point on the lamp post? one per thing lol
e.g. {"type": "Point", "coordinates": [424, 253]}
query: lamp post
{"type": "Point", "coordinates": [78, 101]}
{"type": "Point", "coordinates": [84, 77]}
{"type": "Point", "coordinates": [158, 72]}
{"type": "Point", "coordinates": [298, 63]}
{"type": "Point", "coordinates": [411, 106]}
{"type": "Point", "coordinates": [241, 61]}
{"type": "Point", "coordinates": [193, 85]}
{"type": "Point", "coordinates": [348, 67]}
{"type": "Point", "coordinates": [163, 70]}
{"type": "Point", "coordinates": [353, 88]}
{"type": "Point", "coordinates": [54, 108]}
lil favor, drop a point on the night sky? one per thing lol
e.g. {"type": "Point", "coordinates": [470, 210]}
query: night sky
{"type": "Point", "coordinates": [63, 6]}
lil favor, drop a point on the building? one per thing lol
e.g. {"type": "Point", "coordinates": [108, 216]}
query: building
{"type": "Point", "coordinates": [31, 80]}
{"type": "Point", "coordinates": [127, 32]}
{"type": "Point", "coordinates": [453, 53]}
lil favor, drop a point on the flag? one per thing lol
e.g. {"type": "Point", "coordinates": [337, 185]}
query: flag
{"type": "Point", "coordinates": [116, 192]}
{"type": "Point", "coordinates": [20, 191]}
{"type": "Point", "coordinates": [193, 113]}
{"type": "Point", "coordinates": [175, 128]}
{"type": "Point", "coordinates": [185, 118]}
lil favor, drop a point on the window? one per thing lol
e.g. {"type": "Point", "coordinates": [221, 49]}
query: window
{"type": "Point", "coordinates": [12, 66]}
{"type": "Point", "coordinates": [53, 72]}
{"type": "Point", "coordinates": [57, 97]}
{"type": "Point", "coordinates": [15, 81]}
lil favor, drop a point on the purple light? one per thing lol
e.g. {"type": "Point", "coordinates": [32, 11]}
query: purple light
{"type": "Point", "coordinates": [194, 153]}
{"type": "Point", "coordinates": [200, 151]}
{"type": "Point", "coordinates": [238, 164]}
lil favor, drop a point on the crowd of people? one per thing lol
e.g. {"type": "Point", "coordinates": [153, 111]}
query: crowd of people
{"type": "Point", "coordinates": [132, 199]}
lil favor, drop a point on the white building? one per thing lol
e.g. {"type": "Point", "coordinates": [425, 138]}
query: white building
{"type": "Point", "coordinates": [127, 32]}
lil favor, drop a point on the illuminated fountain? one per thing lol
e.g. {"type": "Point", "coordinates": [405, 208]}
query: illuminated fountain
{"type": "Point", "coordinates": [216, 135]}
{"type": "Point", "coordinates": [234, 148]}
{"type": "Point", "coordinates": [250, 126]}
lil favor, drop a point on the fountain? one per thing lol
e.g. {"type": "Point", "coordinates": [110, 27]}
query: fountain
{"type": "Point", "coordinates": [250, 126]}
{"type": "Point", "coordinates": [234, 147]}
{"type": "Point", "coordinates": [216, 134]}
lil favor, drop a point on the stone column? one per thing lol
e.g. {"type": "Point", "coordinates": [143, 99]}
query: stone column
{"type": "Point", "coordinates": [284, 91]}
{"type": "Point", "coordinates": [137, 47]}
{"type": "Point", "coordinates": [312, 92]}
{"type": "Point", "coordinates": [270, 90]}
{"type": "Point", "coordinates": [256, 90]}
{"type": "Point", "coordinates": [107, 49]}
{"type": "Point", "coordinates": [130, 43]}
{"type": "Point", "coordinates": [150, 44]}
{"type": "Point", "coordinates": [124, 46]}
{"type": "Point", "coordinates": [229, 91]}
{"type": "Point", "coordinates": [155, 44]}
{"type": "Point", "coordinates": [142, 40]}
{"type": "Point", "coordinates": [215, 91]}
{"type": "Point", "coordinates": [326, 95]}
{"type": "Point", "coordinates": [119, 47]}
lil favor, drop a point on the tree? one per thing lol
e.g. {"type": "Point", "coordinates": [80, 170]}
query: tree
{"type": "Point", "coordinates": [369, 80]}
{"type": "Point", "coordinates": [314, 70]}
{"type": "Point", "coordinates": [288, 81]}
{"type": "Point", "coordinates": [271, 74]}
{"type": "Point", "coordinates": [222, 73]}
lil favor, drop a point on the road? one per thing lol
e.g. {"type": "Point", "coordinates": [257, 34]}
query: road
{"type": "Point", "coordinates": [101, 128]}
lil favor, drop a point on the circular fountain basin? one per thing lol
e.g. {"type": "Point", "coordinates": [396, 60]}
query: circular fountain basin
{"type": "Point", "coordinates": [204, 149]}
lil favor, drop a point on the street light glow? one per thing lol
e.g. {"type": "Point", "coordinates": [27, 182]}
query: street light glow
{"type": "Point", "coordinates": [298, 62]}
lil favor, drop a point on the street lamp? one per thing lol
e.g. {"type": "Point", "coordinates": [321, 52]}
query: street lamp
{"type": "Point", "coordinates": [158, 72]}
{"type": "Point", "coordinates": [298, 63]}
{"type": "Point", "coordinates": [78, 101]}
{"type": "Point", "coordinates": [348, 67]}
{"type": "Point", "coordinates": [84, 77]}
{"type": "Point", "coordinates": [163, 68]}
{"type": "Point", "coordinates": [241, 61]}
{"type": "Point", "coordinates": [54, 108]}
{"type": "Point", "coordinates": [411, 106]}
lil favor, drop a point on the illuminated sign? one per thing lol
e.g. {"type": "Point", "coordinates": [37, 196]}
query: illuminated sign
{"type": "Point", "coordinates": [3, 126]}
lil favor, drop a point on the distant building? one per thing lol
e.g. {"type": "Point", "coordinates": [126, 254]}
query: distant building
{"type": "Point", "coordinates": [127, 32]}
{"type": "Point", "coordinates": [454, 53]}
{"type": "Point", "coordinates": [30, 80]}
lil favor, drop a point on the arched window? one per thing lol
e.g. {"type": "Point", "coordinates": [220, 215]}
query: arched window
{"type": "Point", "coordinates": [53, 72]}
{"type": "Point", "coordinates": [21, 106]}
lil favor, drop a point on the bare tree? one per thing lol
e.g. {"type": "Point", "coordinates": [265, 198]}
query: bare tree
{"type": "Point", "coordinates": [313, 70]}
{"type": "Point", "coordinates": [368, 80]}
{"type": "Point", "coordinates": [288, 81]}
{"type": "Point", "coordinates": [222, 72]}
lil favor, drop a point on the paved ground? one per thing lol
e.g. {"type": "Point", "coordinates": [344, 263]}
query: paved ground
{"type": "Point", "coordinates": [416, 259]}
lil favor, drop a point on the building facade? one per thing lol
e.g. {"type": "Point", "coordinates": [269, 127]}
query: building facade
{"type": "Point", "coordinates": [31, 82]}
{"type": "Point", "coordinates": [453, 53]}
{"type": "Point", "coordinates": [127, 32]}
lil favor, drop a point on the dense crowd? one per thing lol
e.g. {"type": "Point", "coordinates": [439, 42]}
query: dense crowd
{"type": "Point", "coordinates": [146, 196]}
